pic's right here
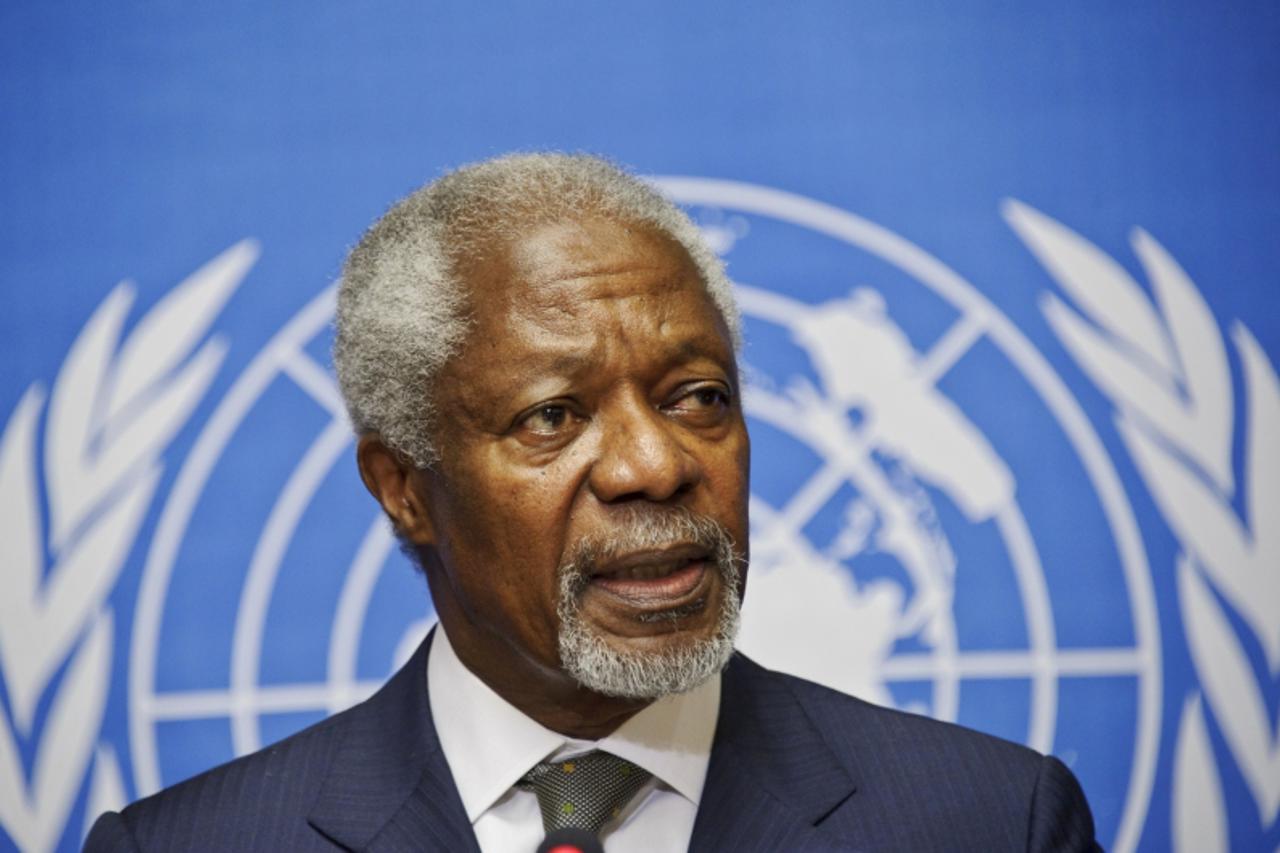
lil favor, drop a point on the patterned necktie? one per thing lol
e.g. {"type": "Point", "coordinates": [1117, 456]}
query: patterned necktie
{"type": "Point", "coordinates": [584, 792]}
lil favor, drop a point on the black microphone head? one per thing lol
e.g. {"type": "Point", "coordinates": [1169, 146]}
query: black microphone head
{"type": "Point", "coordinates": [570, 840]}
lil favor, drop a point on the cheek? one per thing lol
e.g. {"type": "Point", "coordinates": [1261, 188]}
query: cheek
{"type": "Point", "coordinates": [512, 531]}
{"type": "Point", "coordinates": [733, 485]}
{"type": "Point", "coordinates": [733, 460]}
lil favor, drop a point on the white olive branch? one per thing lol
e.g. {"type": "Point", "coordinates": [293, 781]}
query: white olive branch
{"type": "Point", "coordinates": [113, 410]}
{"type": "Point", "coordinates": [1162, 361]}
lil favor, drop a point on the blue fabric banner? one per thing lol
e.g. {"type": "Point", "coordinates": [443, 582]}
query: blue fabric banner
{"type": "Point", "coordinates": [1009, 280]}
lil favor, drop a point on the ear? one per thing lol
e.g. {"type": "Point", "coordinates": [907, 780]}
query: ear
{"type": "Point", "coordinates": [396, 484]}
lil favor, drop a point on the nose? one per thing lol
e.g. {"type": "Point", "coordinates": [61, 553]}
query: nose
{"type": "Point", "coordinates": [640, 455]}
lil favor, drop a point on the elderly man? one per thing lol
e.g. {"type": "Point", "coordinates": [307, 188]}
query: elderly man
{"type": "Point", "coordinates": [538, 354]}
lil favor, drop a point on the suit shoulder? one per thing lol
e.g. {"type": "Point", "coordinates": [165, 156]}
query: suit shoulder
{"type": "Point", "coordinates": [914, 744]}
{"type": "Point", "coordinates": [965, 787]}
{"type": "Point", "coordinates": [267, 794]}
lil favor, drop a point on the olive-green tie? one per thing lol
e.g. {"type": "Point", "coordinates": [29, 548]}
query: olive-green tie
{"type": "Point", "coordinates": [584, 792]}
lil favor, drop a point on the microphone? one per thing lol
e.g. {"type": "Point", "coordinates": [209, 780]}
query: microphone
{"type": "Point", "coordinates": [570, 840]}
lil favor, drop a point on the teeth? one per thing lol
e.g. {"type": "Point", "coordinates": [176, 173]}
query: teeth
{"type": "Point", "coordinates": [648, 572]}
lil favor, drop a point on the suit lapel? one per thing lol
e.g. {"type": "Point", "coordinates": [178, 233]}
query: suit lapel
{"type": "Point", "coordinates": [389, 787]}
{"type": "Point", "coordinates": [772, 782]}
{"type": "Point", "coordinates": [432, 818]}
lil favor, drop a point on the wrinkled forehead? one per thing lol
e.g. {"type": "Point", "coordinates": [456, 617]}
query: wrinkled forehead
{"type": "Point", "coordinates": [551, 262]}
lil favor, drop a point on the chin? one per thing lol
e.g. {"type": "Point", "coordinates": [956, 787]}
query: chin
{"type": "Point", "coordinates": [647, 667]}
{"type": "Point", "coordinates": [651, 609]}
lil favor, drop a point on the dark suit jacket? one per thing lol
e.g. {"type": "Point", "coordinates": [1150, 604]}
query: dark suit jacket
{"type": "Point", "coordinates": [794, 767]}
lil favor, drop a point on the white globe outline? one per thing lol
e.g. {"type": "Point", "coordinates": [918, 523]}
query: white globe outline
{"type": "Point", "coordinates": [244, 700]}
{"type": "Point", "coordinates": [979, 318]}
{"type": "Point", "coordinates": [853, 466]}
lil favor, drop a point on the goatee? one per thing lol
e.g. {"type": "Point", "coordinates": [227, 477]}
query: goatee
{"type": "Point", "coordinates": [641, 674]}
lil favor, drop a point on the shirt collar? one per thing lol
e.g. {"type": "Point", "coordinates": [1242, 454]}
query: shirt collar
{"type": "Point", "coordinates": [489, 743]}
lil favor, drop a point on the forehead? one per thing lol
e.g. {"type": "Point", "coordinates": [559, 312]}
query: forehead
{"type": "Point", "coordinates": [554, 264]}
{"type": "Point", "coordinates": [572, 272]}
{"type": "Point", "coordinates": [593, 299]}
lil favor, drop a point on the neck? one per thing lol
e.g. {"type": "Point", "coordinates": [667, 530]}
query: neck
{"type": "Point", "coordinates": [539, 689]}
{"type": "Point", "coordinates": [551, 697]}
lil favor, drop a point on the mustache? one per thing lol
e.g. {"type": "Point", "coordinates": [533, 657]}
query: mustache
{"type": "Point", "coordinates": [648, 528]}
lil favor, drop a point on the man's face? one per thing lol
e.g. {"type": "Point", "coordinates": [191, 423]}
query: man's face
{"type": "Point", "coordinates": [597, 388]}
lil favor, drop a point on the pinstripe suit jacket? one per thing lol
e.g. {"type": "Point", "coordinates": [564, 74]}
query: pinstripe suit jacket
{"type": "Point", "coordinates": [794, 767]}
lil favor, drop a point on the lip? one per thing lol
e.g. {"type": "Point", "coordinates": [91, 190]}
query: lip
{"type": "Point", "coordinates": [656, 580]}
{"type": "Point", "coordinates": [661, 560]}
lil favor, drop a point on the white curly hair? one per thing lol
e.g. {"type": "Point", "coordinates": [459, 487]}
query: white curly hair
{"type": "Point", "coordinates": [402, 307]}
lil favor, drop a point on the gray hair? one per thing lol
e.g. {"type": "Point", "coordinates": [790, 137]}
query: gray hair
{"type": "Point", "coordinates": [402, 307]}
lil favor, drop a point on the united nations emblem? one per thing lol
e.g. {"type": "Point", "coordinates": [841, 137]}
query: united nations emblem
{"type": "Point", "coordinates": [907, 540]}
{"type": "Point", "coordinates": [903, 530]}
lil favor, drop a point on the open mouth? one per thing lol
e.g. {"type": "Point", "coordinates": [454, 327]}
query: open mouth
{"type": "Point", "coordinates": [666, 578]}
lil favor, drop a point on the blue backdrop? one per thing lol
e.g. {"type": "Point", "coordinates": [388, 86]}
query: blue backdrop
{"type": "Point", "coordinates": [1009, 279]}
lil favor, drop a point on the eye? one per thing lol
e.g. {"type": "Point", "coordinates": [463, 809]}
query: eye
{"type": "Point", "coordinates": [702, 404]}
{"type": "Point", "coordinates": [547, 424]}
{"type": "Point", "coordinates": [546, 420]}
{"type": "Point", "coordinates": [711, 396]}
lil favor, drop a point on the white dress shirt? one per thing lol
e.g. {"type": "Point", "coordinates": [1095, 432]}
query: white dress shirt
{"type": "Point", "coordinates": [489, 745]}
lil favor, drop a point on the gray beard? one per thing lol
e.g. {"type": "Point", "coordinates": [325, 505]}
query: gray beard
{"type": "Point", "coordinates": [634, 674]}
